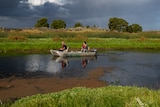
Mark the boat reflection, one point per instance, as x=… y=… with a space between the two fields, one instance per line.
x=65 y=60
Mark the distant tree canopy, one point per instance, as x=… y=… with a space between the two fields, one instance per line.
x=114 y=24
x=121 y=25
x=42 y=23
x=57 y=24
x=117 y=24
x=134 y=28
x=78 y=24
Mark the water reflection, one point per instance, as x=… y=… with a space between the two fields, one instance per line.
x=122 y=68
x=53 y=67
x=85 y=61
x=41 y=65
x=32 y=63
x=64 y=62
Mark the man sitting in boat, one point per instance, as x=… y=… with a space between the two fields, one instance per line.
x=84 y=47
x=64 y=46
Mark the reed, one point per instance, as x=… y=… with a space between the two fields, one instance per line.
x=65 y=33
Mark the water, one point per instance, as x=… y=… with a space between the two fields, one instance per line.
x=134 y=68
x=37 y=65
x=121 y=68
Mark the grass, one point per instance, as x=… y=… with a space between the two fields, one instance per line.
x=45 y=44
x=110 y=96
x=40 y=40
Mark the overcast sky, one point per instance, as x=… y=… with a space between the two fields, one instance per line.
x=25 y=13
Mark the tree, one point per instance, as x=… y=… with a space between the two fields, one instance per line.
x=42 y=23
x=78 y=24
x=117 y=24
x=58 y=24
x=134 y=28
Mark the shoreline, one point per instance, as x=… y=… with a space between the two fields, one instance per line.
x=13 y=88
x=23 y=52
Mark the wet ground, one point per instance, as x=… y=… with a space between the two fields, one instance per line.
x=13 y=88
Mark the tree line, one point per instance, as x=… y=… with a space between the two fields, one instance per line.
x=114 y=24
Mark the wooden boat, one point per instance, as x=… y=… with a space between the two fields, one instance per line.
x=67 y=53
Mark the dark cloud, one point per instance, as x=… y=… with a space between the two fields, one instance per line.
x=14 y=8
x=47 y=9
x=88 y=12
x=8 y=6
x=21 y=14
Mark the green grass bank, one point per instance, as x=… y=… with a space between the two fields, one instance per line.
x=110 y=96
x=45 y=44
x=41 y=40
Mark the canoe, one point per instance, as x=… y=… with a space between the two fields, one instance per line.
x=72 y=53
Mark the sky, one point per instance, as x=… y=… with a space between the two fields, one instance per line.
x=25 y=13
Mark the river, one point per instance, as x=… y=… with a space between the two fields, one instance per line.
x=121 y=67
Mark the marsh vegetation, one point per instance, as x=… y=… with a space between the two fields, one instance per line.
x=40 y=40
